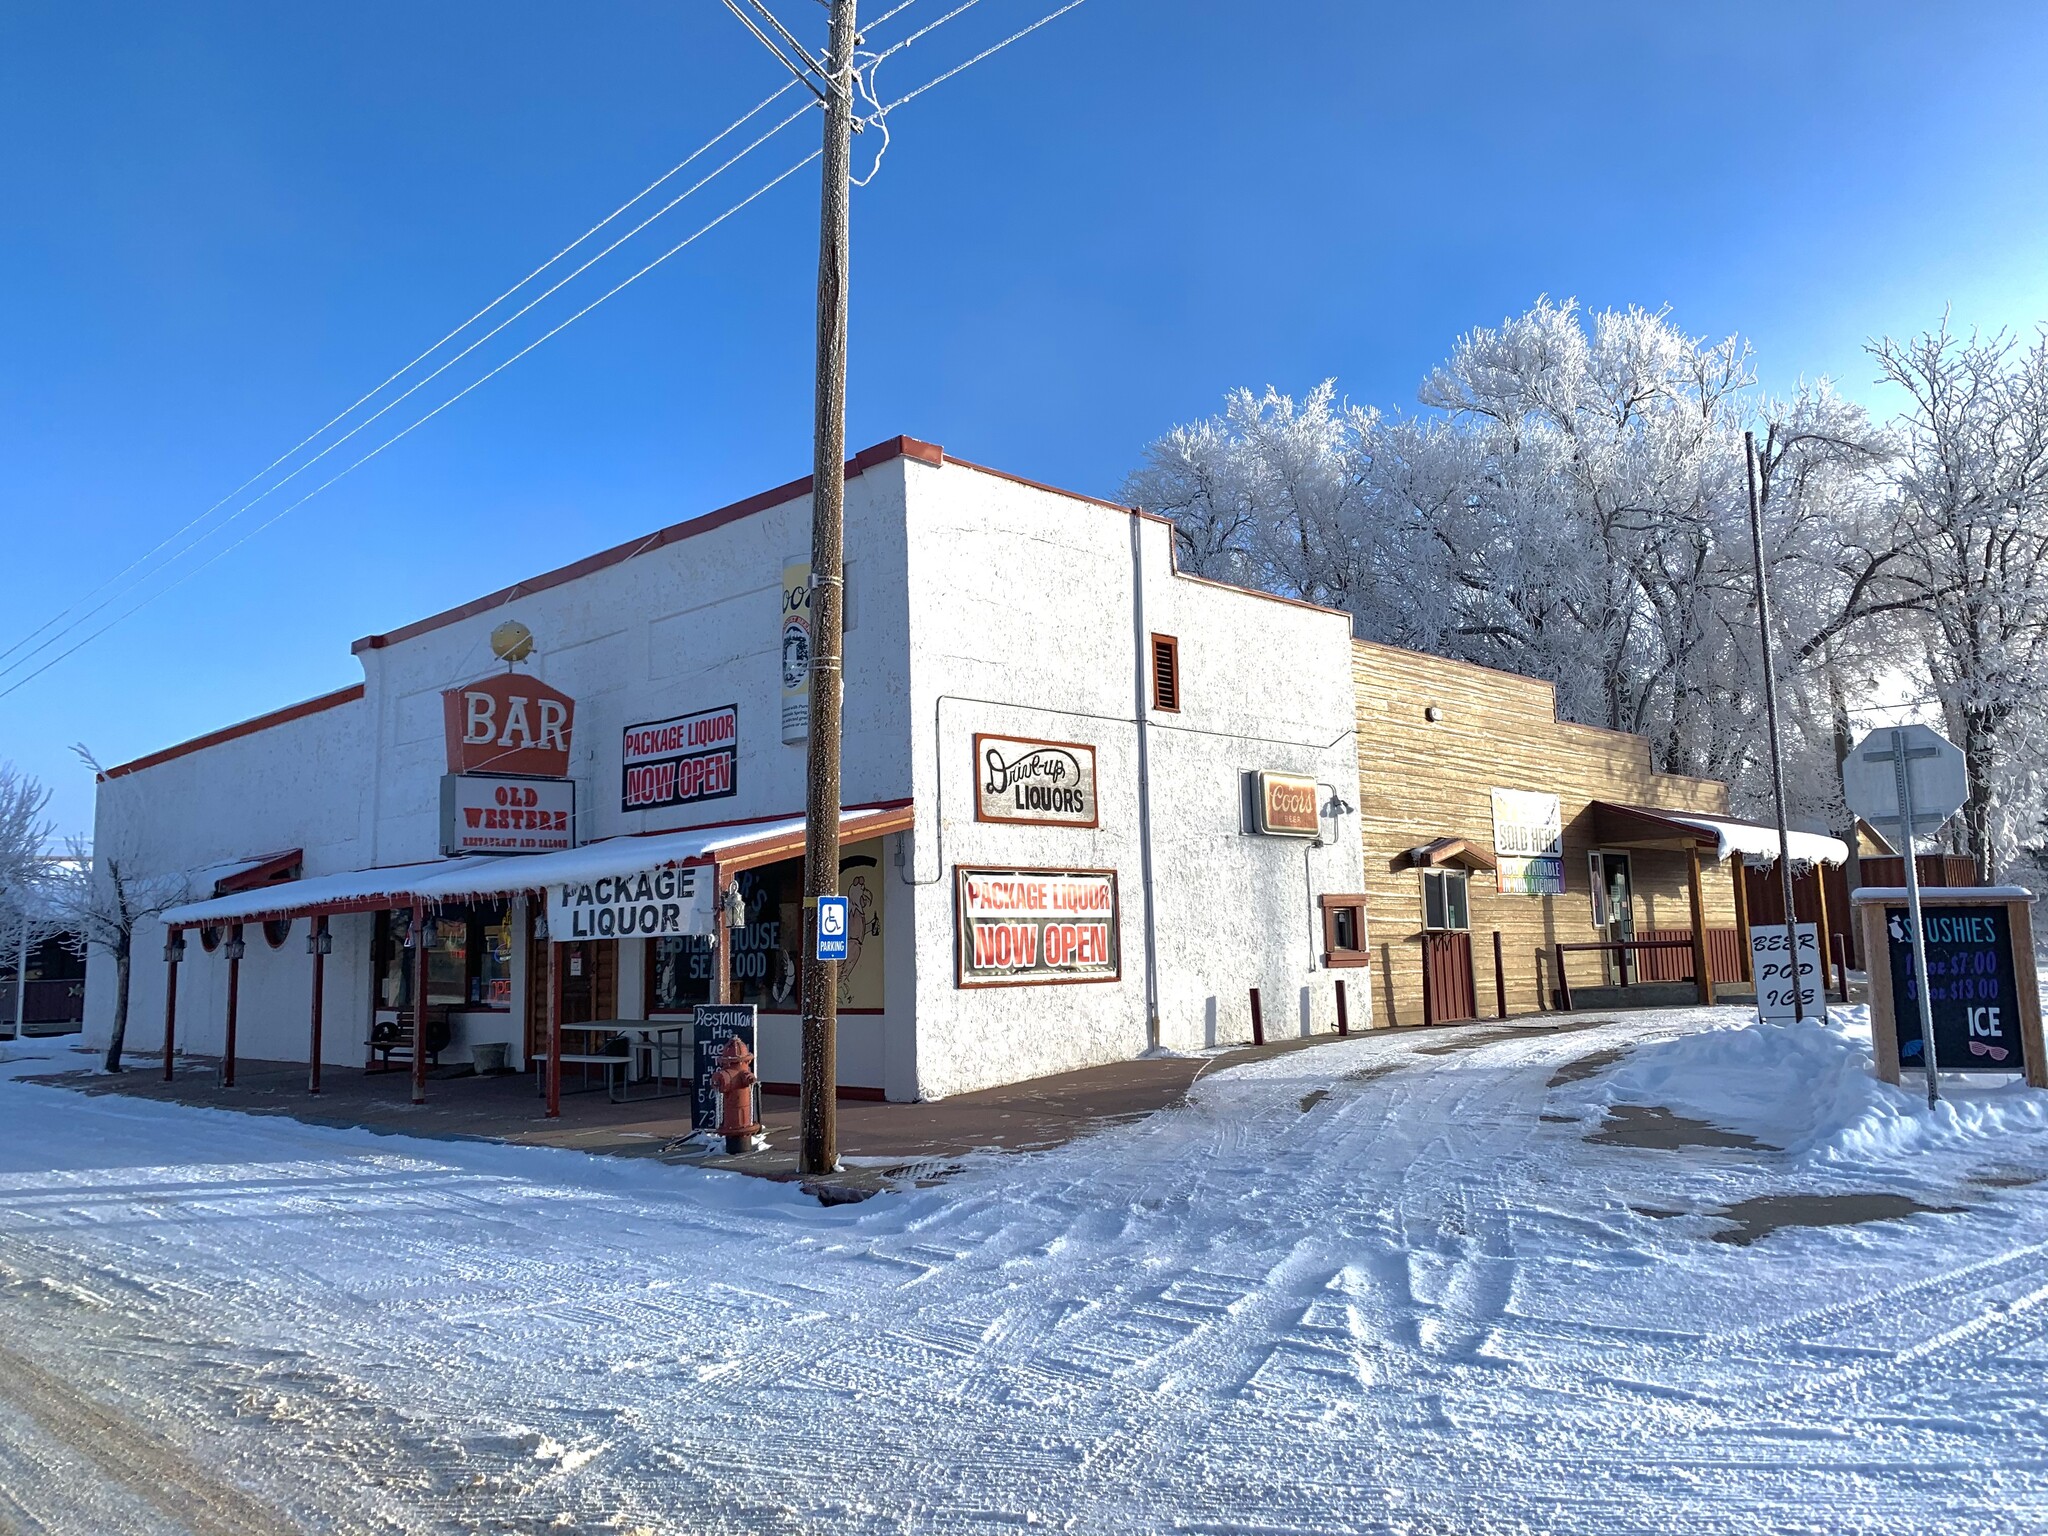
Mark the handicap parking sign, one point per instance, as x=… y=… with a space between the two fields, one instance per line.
x=831 y=928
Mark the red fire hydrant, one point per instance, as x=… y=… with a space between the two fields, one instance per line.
x=733 y=1082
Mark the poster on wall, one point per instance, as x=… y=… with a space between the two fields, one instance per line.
x=680 y=760
x=649 y=904
x=1528 y=843
x=1972 y=988
x=490 y=813
x=1037 y=783
x=795 y=640
x=1035 y=926
x=862 y=884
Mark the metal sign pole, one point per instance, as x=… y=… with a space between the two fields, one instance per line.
x=1926 y=1011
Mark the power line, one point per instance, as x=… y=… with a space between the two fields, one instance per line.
x=412 y=390
x=556 y=330
x=420 y=422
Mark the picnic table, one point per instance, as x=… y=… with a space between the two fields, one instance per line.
x=657 y=1052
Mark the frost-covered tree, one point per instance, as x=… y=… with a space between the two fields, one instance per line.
x=24 y=846
x=99 y=898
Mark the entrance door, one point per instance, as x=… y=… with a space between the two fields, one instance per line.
x=590 y=987
x=1447 y=972
x=1618 y=886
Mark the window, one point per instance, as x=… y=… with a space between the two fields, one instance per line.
x=764 y=961
x=1344 y=930
x=1166 y=674
x=276 y=930
x=209 y=937
x=469 y=957
x=1445 y=899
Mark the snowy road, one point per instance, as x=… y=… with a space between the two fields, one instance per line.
x=1383 y=1285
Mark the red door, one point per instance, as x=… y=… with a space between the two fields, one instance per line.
x=1448 y=993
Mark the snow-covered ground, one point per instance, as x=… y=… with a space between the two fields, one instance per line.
x=1382 y=1285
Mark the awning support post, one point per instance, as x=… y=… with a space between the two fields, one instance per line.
x=1702 y=969
x=419 y=1002
x=1741 y=874
x=227 y=1060
x=173 y=948
x=554 y=1028
x=317 y=941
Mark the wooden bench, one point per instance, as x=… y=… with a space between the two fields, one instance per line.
x=389 y=1040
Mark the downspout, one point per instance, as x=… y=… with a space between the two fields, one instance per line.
x=1140 y=651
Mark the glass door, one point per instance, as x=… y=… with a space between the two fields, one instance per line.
x=1618 y=886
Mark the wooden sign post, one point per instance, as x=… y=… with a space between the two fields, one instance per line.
x=1983 y=989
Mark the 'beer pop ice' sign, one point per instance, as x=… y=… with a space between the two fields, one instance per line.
x=1019 y=926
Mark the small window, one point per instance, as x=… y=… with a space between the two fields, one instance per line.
x=1166 y=674
x=276 y=930
x=1445 y=899
x=209 y=937
x=1344 y=930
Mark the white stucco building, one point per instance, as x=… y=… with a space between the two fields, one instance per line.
x=1003 y=637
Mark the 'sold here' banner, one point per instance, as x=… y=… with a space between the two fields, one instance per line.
x=652 y=904
x=1036 y=925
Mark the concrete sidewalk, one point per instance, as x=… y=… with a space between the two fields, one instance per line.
x=879 y=1144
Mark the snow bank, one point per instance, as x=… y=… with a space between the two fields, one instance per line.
x=1812 y=1089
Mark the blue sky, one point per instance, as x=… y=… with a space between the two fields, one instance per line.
x=228 y=220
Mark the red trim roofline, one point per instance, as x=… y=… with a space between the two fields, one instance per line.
x=250 y=727
x=618 y=554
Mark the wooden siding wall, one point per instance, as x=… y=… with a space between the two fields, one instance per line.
x=1420 y=780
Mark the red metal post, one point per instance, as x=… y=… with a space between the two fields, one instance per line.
x=1343 y=1012
x=1500 y=979
x=1428 y=986
x=176 y=939
x=419 y=1002
x=227 y=1064
x=1564 y=988
x=1258 y=1020
x=317 y=938
x=554 y=1028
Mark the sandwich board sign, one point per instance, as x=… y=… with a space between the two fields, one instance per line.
x=1780 y=975
x=716 y=1023
x=1972 y=987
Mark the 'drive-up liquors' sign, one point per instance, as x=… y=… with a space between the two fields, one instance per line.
x=1048 y=783
x=1528 y=843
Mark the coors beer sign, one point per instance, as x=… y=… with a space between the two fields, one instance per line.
x=509 y=723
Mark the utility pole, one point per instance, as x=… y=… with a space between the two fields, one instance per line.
x=819 y=1111
x=1763 y=624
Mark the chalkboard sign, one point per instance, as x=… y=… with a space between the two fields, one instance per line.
x=1970 y=985
x=716 y=1024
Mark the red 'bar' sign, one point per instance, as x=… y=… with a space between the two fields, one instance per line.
x=1036 y=925
x=509 y=723
x=682 y=759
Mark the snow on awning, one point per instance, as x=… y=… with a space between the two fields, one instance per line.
x=1642 y=825
x=439 y=881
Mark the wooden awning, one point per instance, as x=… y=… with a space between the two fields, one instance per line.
x=1451 y=853
x=1644 y=826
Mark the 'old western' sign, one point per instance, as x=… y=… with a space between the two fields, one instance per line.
x=1043 y=782
x=509 y=723
x=1284 y=805
x=682 y=759
x=649 y=904
x=1036 y=925
x=488 y=813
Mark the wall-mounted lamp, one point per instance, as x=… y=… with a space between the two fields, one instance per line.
x=235 y=948
x=735 y=907
x=174 y=947
x=320 y=942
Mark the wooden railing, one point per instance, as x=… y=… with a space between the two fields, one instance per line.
x=1621 y=949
